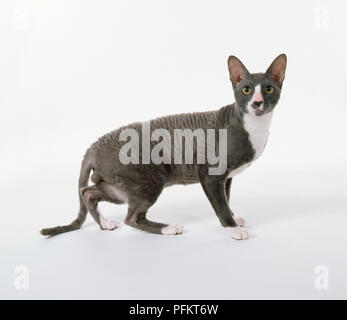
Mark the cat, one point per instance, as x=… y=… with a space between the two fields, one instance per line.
x=246 y=123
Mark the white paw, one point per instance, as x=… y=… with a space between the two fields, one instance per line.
x=237 y=233
x=172 y=229
x=109 y=224
x=240 y=221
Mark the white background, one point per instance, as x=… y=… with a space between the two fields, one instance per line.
x=71 y=71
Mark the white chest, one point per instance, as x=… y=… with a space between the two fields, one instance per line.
x=258 y=131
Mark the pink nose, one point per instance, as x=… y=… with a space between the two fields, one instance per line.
x=258 y=96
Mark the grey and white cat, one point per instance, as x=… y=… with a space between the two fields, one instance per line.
x=247 y=123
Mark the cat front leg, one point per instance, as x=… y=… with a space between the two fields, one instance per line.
x=214 y=188
x=240 y=221
x=136 y=218
x=227 y=188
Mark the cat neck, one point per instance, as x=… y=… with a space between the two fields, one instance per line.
x=257 y=123
x=257 y=128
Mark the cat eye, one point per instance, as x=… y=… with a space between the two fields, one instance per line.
x=269 y=89
x=246 y=90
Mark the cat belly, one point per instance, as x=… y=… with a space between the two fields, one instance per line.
x=115 y=192
x=182 y=180
x=185 y=174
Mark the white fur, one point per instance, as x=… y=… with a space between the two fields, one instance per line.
x=108 y=224
x=238 y=233
x=257 y=96
x=258 y=131
x=240 y=221
x=172 y=229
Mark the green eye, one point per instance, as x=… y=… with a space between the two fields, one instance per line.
x=269 y=89
x=246 y=90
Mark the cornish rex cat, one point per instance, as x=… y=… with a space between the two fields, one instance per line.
x=245 y=125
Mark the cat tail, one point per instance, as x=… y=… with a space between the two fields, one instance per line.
x=82 y=214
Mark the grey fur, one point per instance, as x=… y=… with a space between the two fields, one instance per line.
x=143 y=183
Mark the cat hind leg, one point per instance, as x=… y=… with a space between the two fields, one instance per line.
x=91 y=196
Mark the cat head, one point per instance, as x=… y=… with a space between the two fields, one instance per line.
x=257 y=93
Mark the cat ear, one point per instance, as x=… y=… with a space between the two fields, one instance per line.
x=237 y=70
x=278 y=68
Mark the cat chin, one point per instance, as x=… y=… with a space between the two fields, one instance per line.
x=257 y=113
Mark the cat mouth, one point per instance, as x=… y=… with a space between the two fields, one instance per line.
x=256 y=108
x=258 y=112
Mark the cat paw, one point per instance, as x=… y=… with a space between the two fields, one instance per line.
x=109 y=225
x=172 y=229
x=237 y=233
x=240 y=221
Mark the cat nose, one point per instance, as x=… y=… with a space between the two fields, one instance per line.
x=257 y=104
